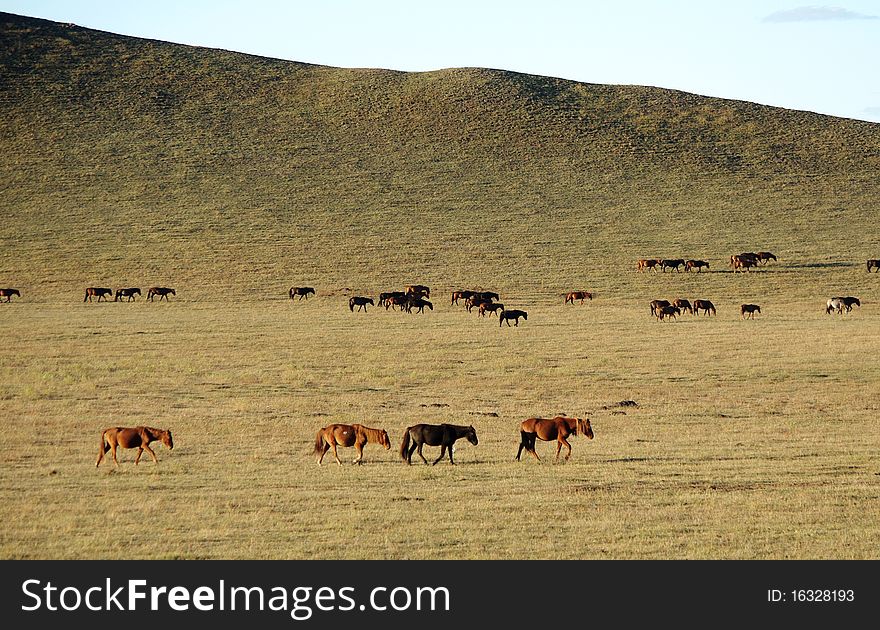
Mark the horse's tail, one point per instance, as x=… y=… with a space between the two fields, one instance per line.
x=319 y=442
x=86 y=298
x=103 y=448
x=351 y=305
x=404 y=445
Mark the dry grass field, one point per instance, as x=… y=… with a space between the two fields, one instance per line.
x=232 y=178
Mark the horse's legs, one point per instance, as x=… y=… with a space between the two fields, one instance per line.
x=147 y=448
x=323 y=452
x=558 y=448
x=451 y=449
x=113 y=451
x=335 y=454
x=419 y=449
x=442 y=453
x=139 y=453
x=564 y=441
x=359 y=447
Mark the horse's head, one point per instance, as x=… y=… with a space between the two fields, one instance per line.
x=471 y=435
x=585 y=428
x=383 y=439
x=167 y=439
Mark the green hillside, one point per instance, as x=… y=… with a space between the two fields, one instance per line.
x=129 y=161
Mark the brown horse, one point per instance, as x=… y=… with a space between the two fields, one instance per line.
x=360 y=302
x=873 y=264
x=647 y=263
x=98 y=292
x=442 y=435
x=461 y=295
x=506 y=315
x=766 y=257
x=745 y=261
x=749 y=309
x=385 y=298
x=129 y=293
x=396 y=300
x=549 y=429
x=578 y=295
x=695 y=264
x=490 y=307
x=704 y=305
x=302 y=292
x=419 y=303
x=137 y=437
x=475 y=301
x=668 y=311
x=656 y=305
x=8 y=293
x=356 y=435
x=162 y=292
x=418 y=290
x=684 y=305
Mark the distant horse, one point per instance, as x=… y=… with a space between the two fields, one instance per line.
x=475 y=301
x=360 y=302
x=506 y=316
x=873 y=264
x=849 y=302
x=162 y=292
x=461 y=295
x=490 y=307
x=549 y=429
x=668 y=311
x=704 y=305
x=571 y=296
x=834 y=304
x=487 y=296
x=684 y=305
x=138 y=437
x=98 y=292
x=418 y=303
x=418 y=290
x=302 y=292
x=742 y=261
x=8 y=293
x=695 y=264
x=656 y=305
x=672 y=263
x=384 y=298
x=749 y=309
x=442 y=435
x=765 y=257
x=396 y=300
x=647 y=263
x=356 y=435
x=127 y=293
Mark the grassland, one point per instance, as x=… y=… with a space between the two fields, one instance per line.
x=231 y=178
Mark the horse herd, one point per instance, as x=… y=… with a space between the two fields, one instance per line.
x=104 y=293
x=739 y=262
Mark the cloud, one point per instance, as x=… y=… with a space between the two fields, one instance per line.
x=817 y=14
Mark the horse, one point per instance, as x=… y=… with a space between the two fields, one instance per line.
x=461 y=295
x=137 y=437
x=302 y=292
x=360 y=302
x=475 y=301
x=695 y=264
x=418 y=290
x=704 y=305
x=491 y=307
x=162 y=292
x=765 y=257
x=487 y=296
x=129 y=293
x=356 y=435
x=684 y=305
x=834 y=304
x=8 y=293
x=668 y=311
x=656 y=305
x=571 y=296
x=672 y=263
x=507 y=315
x=549 y=429
x=849 y=302
x=743 y=261
x=647 y=263
x=98 y=292
x=442 y=435
x=384 y=298
x=418 y=303
x=396 y=300
x=751 y=309
x=873 y=264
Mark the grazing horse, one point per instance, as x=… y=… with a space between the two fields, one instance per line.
x=162 y=292
x=647 y=263
x=507 y=315
x=672 y=263
x=834 y=304
x=442 y=435
x=704 y=305
x=684 y=305
x=418 y=303
x=360 y=302
x=578 y=295
x=695 y=264
x=98 y=292
x=549 y=429
x=751 y=309
x=8 y=293
x=127 y=293
x=356 y=435
x=138 y=437
x=668 y=311
x=873 y=264
x=765 y=257
x=656 y=305
x=461 y=295
x=302 y=292
x=491 y=307
x=418 y=290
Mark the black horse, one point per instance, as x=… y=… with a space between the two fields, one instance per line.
x=442 y=435
x=507 y=315
x=127 y=293
x=302 y=292
x=8 y=293
x=360 y=302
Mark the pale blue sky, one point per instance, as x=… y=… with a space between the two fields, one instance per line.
x=817 y=57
